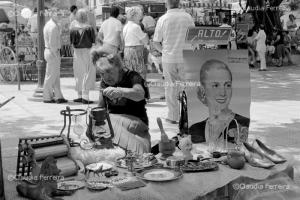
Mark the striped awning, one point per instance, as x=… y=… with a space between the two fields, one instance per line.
x=206 y=5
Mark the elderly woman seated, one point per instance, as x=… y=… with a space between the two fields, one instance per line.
x=122 y=92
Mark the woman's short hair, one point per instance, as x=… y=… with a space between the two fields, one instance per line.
x=102 y=52
x=134 y=12
x=82 y=15
x=212 y=64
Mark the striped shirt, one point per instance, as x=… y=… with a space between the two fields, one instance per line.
x=171 y=30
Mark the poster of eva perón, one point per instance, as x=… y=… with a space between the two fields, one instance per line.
x=218 y=91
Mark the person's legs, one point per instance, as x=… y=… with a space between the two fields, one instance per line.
x=78 y=73
x=49 y=76
x=287 y=52
x=280 y=51
x=89 y=73
x=262 y=57
x=251 y=56
x=171 y=74
x=57 y=90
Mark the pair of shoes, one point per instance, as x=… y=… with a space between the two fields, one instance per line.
x=79 y=100
x=255 y=158
x=262 y=70
x=162 y=98
x=269 y=153
x=171 y=121
x=61 y=101
x=49 y=101
x=84 y=101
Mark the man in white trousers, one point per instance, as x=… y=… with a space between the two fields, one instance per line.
x=261 y=47
x=169 y=38
x=52 y=57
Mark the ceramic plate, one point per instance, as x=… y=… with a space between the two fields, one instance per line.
x=160 y=174
x=70 y=185
x=97 y=166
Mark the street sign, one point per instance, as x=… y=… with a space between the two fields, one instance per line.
x=208 y=35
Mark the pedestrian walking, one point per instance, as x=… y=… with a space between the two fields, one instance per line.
x=169 y=38
x=261 y=47
x=110 y=32
x=82 y=38
x=52 y=57
x=134 y=41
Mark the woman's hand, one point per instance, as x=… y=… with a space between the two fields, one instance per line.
x=113 y=93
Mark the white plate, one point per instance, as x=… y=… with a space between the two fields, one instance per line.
x=96 y=166
x=70 y=185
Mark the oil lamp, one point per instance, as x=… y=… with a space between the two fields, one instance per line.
x=100 y=129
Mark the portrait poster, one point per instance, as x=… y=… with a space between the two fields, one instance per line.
x=240 y=98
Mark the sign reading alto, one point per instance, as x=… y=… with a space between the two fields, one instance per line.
x=208 y=35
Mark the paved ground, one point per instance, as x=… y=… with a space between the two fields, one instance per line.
x=275 y=116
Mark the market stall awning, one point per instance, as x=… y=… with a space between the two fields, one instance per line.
x=206 y=5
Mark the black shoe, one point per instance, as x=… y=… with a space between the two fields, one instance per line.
x=79 y=100
x=61 y=101
x=84 y=101
x=49 y=101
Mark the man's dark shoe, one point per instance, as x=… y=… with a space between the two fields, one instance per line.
x=61 y=101
x=79 y=100
x=84 y=101
x=49 y=101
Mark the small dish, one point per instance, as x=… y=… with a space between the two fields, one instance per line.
x=70 y=185
x=96 y=166
x=98 y=185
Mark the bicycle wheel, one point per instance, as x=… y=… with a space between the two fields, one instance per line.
x=8 y=64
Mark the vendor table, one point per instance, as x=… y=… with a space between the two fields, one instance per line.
x=190 y=186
